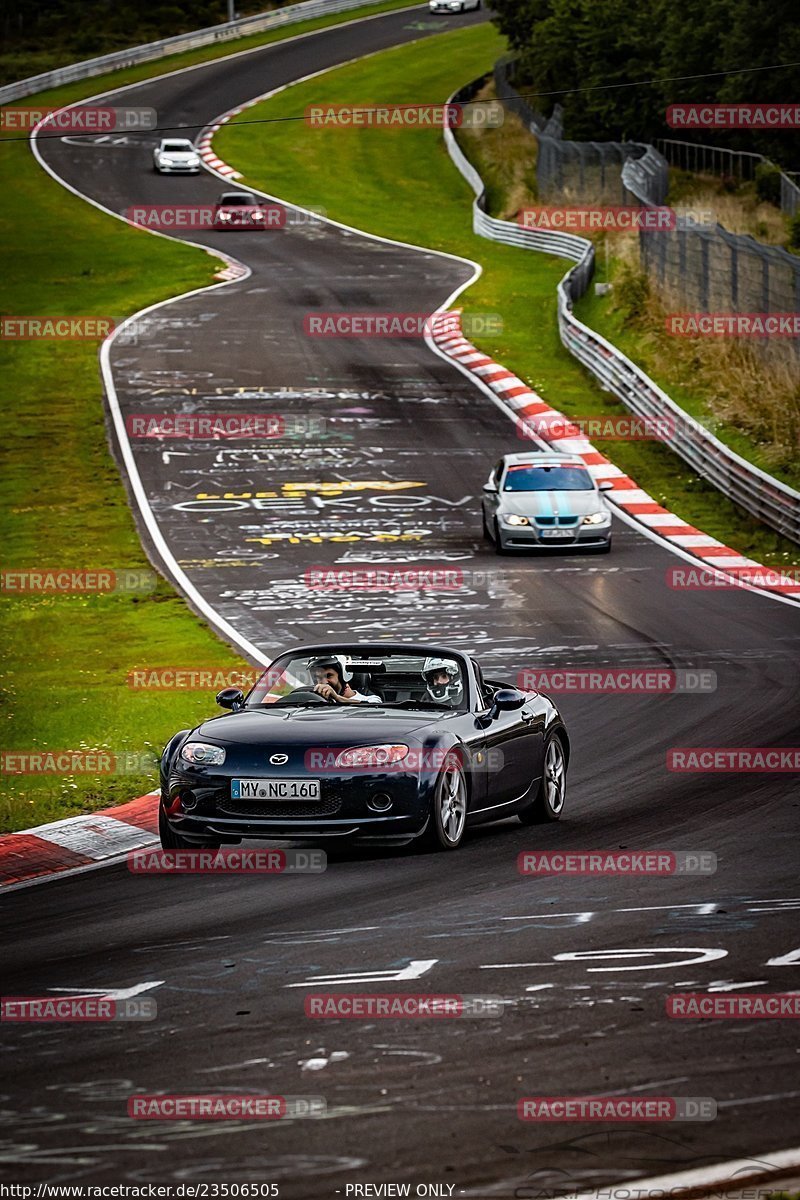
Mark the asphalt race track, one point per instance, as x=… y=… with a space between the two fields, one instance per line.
x=228 y=960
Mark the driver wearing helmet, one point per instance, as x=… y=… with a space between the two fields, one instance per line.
x=332 y=681
x=443 y=681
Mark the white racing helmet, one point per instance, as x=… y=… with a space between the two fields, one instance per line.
x=443 y=693
x=325 y=661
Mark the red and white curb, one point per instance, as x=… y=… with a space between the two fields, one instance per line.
x=77 y=843
x=205 y=149
x=523 y=404
x=208 y=156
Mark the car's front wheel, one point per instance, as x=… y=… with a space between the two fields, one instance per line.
x=548 y=803
x=170 y=840
x=448 y=816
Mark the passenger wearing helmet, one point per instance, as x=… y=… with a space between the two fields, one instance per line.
x=332 y=681
x=443 y=681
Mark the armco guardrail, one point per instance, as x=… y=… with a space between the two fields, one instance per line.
x=767 y=498
x=257 y=23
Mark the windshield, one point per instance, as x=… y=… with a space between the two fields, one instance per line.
x=178 y=147
x=238 y=200
x=530 y=478
x=397 y=680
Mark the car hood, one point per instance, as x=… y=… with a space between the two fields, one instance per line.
x=549 y=504
x=336 y=726
x=179 y=153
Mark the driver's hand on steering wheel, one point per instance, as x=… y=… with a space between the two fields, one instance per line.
x=325 y=690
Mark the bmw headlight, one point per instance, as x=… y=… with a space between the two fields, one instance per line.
x=201 y=754
x=224 y=216
x=193 y=160
x=514 y=519
x=598 y=518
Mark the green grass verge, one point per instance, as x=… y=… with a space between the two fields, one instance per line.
x=402 y=184
x=66 y=658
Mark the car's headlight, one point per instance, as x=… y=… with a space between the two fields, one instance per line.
x=203 y=754
x=223 y=216
x=371 y=756
x=598 y=518
x=257 y=215
x=193 y=160
x=513 y=519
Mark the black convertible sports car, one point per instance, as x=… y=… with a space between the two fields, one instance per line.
x=389 y=742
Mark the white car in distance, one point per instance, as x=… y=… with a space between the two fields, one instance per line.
x=176 y=156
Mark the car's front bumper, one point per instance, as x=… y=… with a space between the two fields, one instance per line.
x=530 y=537
x=201 y=806
x=178 y=170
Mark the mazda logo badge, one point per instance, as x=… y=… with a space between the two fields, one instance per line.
x=279 y=759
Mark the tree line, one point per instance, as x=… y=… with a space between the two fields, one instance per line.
x=592 y=56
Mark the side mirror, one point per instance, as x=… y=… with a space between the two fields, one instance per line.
x=506 y=700
x=230 y=698
x=605 y=486
x=490 y=489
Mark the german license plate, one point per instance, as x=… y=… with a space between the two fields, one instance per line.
x=558 y=533
x=275 y=789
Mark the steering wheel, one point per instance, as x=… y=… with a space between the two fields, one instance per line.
x=305 y=695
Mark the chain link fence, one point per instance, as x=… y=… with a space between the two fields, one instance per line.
x=696 y=267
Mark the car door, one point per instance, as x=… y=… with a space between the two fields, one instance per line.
x=514 y=744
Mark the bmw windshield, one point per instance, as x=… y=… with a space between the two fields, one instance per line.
x=530 y=478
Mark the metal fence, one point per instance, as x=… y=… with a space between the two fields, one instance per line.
x=733 y=164
x=257 y=23
x=704 y=268
x=767 y=498
x=582 y=172
x=697 y=267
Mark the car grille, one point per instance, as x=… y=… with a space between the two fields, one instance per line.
x=280 y=808
x=556 y=520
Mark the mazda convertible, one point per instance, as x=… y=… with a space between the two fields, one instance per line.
x=391 y=743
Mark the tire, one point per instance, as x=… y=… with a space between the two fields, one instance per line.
x=499 y=548
x=486 y=532
x=173 y=841
x=605 y=549
x=548 y=804
x=446 y=824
